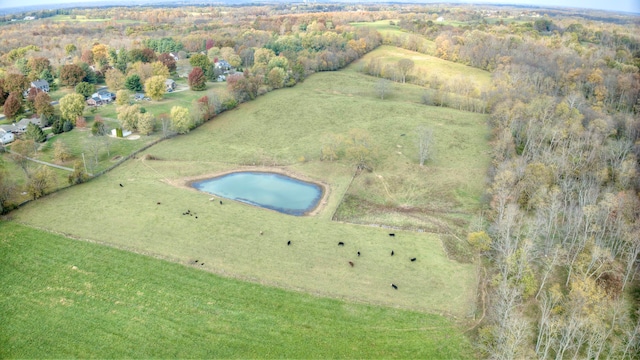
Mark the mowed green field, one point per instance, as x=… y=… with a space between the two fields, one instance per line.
x=63 y=298
x=426 y=66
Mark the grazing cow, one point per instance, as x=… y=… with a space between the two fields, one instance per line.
x=392 y=252
x=351 y=263
x=340 y=243
x=394 y=286
x=201 y=264
x=220 y=202
x=358 y=253
x=413 y=259
x=158 y=203
x=403 y=134
x=288 y=242
x=392 y=234
x=196 y=217
x=261 y=232
x=196 y=260
x=121 y=185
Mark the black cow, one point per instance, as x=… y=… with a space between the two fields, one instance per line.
x=358 y=253
x=340 y=243
x=413 y=259
x=121 y=185
x=392 y=234
x=288 y=242
x=392 y=252
x=158 y=203
x=351 y=263
x=220 y=202
x=394 y=286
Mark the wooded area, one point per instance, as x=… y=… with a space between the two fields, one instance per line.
x=560 y=236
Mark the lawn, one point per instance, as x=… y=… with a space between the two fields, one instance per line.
x=63 y=298
x=84 y=19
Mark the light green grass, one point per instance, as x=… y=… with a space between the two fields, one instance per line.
x=62 y=298
x=427 y=66
x=280 y=128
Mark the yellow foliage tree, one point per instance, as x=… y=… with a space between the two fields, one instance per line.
x=155 y=87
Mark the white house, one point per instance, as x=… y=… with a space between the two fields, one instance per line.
x=6 y=137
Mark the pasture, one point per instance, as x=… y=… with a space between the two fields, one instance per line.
x=427 y=66
x=63 y=298
x=281 y=130
x=394 y=35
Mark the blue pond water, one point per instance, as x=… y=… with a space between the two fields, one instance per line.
x=268 y=190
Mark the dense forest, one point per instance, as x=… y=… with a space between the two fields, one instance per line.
x=560 y=240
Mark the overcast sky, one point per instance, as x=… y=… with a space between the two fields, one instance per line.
x=612 y=5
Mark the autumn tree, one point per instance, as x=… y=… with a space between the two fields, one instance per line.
x=146 y=123
x=36 y=66
x=155 y=87
x=276 y=77
x=61 y=153
x=42 y=105
x=72 y=106
x=42 y=180
x=123 y=97
x=404 y=66
x=13 y=105
x=128 y=116
x=200 y=60
x=360 y=149
x=15 y=83
x=181 y=120
x=87 y=56
x=168 y=61
x=71 y=75
x=197 y=80
x=98 y=128
x=70 y=49
x=114 y=79
x=159 y=69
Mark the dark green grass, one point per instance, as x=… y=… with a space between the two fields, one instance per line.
x=64 y=298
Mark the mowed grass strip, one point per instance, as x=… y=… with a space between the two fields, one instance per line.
x=64 y=298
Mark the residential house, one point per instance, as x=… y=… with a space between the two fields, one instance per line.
x=223 y=65
x=6 y=137
x=105 y=96
x=174 y=56
x=22 y=124
x=41 y=85
x=94 y=101
x=9 y=128
x=170 y=84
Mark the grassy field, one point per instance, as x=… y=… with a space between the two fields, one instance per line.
x=63 y=298
x=393 y=34
x=427 y=66
x=227 y=236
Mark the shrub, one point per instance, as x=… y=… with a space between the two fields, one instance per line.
x=67 y=126
x=57 y=127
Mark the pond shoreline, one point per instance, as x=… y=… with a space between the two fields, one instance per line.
x=187 y=183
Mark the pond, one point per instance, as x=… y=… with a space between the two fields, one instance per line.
x=268 y=190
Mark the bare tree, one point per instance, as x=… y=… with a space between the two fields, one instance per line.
x=426 y=148
x=383 y=87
